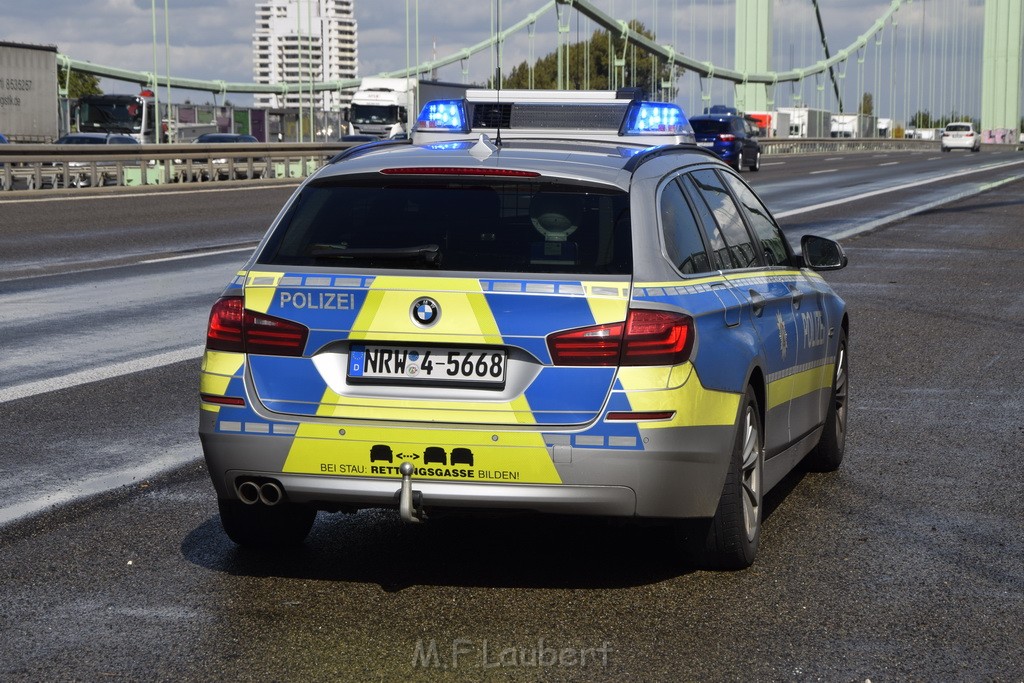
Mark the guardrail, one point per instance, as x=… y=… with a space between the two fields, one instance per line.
x=771 y=146
x=65 y=167
x=37 y=167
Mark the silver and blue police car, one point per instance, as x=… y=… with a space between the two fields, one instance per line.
x=548 y=302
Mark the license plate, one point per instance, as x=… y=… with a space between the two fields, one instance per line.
x=705 y=144
x=408 y=364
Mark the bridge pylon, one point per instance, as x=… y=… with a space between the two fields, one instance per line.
x=1001 y=70
x=753 y=51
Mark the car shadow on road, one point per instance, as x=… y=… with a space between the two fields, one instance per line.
x=374 y=546
x=480 y=550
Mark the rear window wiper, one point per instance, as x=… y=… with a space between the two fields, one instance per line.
x=429 y=253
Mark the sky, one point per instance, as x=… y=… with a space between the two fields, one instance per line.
x=211 y=39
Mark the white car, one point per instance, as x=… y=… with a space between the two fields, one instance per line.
x=961 y=136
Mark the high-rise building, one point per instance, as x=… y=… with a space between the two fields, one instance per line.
x=304 y=41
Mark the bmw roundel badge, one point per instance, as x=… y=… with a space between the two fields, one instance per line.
x=426 y=312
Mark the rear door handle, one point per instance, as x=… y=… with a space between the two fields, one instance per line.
x=757 y=303
x=798 y=296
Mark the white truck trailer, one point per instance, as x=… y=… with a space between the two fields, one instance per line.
x=385 y=106
x=28 y=93
x=807 y=123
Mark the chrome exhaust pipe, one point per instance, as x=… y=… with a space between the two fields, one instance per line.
x=271 y=493
x=248 y=492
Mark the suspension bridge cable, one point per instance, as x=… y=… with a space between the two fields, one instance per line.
x=828 y=55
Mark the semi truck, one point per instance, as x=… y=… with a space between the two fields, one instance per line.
x=805 y=122
x=854 y=126
x=384 y=106
x=28 y=93
x=135 y=115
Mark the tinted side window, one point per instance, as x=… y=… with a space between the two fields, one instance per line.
x=740 y=251
x=683 y=242
x=720 y=259
x=771 y=237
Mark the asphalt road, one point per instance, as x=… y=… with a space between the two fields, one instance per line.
x=903 y=565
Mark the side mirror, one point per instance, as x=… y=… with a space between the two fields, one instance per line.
x=821 y=253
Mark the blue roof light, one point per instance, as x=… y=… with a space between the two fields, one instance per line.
x=443 y=115
x=645 y=118
x=451 y=146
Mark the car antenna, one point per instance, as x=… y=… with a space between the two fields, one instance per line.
x=497 y=97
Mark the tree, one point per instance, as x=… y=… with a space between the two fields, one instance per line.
x=867 y=104
x=80 y=84
x=594 y=60
x=922 y=119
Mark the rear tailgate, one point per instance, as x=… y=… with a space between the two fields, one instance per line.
x=374 y=351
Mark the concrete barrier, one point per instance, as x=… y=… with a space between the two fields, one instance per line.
x=67 y=167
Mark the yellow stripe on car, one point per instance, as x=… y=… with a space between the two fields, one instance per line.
x=465 y=317
x=487 y=456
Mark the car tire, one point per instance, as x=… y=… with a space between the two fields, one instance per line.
x=945 y=149
x=756 y=166
x=731 y=538
x=976 y=149
x=828 y=454
x=262 y=526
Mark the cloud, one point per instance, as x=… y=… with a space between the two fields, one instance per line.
x=211 y=39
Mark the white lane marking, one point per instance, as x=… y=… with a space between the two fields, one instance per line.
x=835 y=159
x=905 y=186
x=75 y=379
x=124 y=477
x=100 y=483
x=827 y=170
x=136 y=195
x=773 y=163
x=889 y=163
x=199 y=254
x=867 y=227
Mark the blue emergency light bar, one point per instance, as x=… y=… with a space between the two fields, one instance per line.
x=645 y=118
x=443 y=116
x=543 y=113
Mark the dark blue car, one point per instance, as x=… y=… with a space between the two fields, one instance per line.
x=731 y=137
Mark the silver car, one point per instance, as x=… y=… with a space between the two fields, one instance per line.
x=546 y=302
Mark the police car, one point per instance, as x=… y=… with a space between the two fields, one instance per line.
x=548 y=302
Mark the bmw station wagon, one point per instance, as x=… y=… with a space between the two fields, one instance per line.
x=546 y=302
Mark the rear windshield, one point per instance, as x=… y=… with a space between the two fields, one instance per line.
x=958 y=127
x=471 y=225
x=712 y=127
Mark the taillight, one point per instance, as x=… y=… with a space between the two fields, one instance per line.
x=232 y=328
x=452 y=170
x=645 y=338
x=224 y=332
x=657 y=338
x=597 y=345
x=727 y=137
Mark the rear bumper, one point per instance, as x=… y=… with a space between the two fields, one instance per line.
x=961 y=143
x=680 y=473
x=327 y=491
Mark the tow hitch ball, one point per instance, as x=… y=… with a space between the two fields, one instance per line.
x=406 y=508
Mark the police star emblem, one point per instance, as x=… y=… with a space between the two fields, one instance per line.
x=783 y=337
